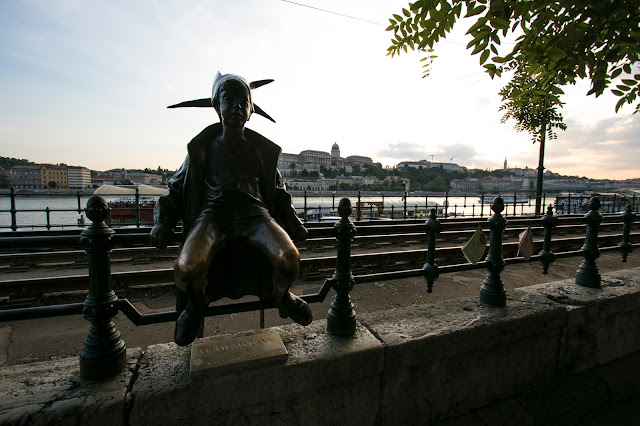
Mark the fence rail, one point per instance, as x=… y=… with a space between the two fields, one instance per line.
x=371 y=206
x=103 y=354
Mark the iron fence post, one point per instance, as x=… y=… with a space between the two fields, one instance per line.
x=305 y=206
x=341 y=318
x=492 y=292
x=12 y=197
x=587 y=274
x=137 y=208
x=48 y=213
x=430 y=268
x=404 y=209
x=549 y=221
x=79 y=202
x=358 y=208
x=481 y=204
x=625 y=246
x=446 y=204
x=104 y=352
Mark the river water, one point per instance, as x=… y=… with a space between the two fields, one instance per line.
x=63 y=210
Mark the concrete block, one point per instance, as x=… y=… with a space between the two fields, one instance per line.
x=505 y=412
x=52 y=392
x=569 y=401
x=457 y=355
x=326 y=379
x=622 y=376
x=602 y=324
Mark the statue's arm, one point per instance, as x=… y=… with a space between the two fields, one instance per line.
x=286 y=213
x=169 y=208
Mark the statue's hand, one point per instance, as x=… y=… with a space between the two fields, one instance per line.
x=299 y=234
x=160 y=235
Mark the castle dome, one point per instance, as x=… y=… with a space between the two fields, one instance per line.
x=335 y=146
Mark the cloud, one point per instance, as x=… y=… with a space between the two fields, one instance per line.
x=403 y=151
x=607 y=148
x=458 y=153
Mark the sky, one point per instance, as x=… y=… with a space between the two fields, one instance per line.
x=87 y=83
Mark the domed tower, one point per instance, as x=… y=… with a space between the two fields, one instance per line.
x=335 y=151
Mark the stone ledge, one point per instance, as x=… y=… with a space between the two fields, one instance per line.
x=575 y=399
x=326 y=378
x=419 y=364
x=52 y=392
x=458 y=355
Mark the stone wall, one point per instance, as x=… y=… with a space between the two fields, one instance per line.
x=417 y=364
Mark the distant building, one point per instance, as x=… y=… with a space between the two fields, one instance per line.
x=313 y=160
x=52 y=176
x=25 y=177
x=450 y=167
x=141 y=178
x=465 y=185
x=79 y=177
x=102 y=179
x=4 y=177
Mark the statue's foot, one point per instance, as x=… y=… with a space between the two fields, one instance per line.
x=189 y=322
x=295 y=308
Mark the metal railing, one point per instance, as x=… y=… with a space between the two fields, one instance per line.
x=103 y=353
x=376 y=206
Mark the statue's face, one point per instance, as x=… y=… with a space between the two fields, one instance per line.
x=235 y=107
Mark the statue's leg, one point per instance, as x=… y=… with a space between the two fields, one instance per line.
x=276 y=245
x=190 y=269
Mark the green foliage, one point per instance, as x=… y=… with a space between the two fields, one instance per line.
x=599 y=40
x=437 y=185
x=8 y=162
x=534 y=111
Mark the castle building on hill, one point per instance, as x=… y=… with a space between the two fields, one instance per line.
x=311 y=160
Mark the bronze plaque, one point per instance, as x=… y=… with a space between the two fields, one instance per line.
x=236 y=350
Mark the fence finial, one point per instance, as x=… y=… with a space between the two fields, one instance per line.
x=547 y=257
x=492 y=291
x=341 y=318
x=104 y=352
x=430 y=268
x=628 y=218
x=587 y=274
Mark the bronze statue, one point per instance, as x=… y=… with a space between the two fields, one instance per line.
x=229 y=193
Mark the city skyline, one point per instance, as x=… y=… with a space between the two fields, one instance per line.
x=95 y=94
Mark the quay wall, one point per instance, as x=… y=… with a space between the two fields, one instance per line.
x=421 y=364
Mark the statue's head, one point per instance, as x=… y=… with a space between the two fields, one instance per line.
x=221 y=81
x=231 y=98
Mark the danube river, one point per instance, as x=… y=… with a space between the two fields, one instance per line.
x=63 y=210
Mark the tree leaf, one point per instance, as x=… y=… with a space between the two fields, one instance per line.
x=617 y=92
x=475 y=11
x=555 y=54
x=484 y=56
x=629 y=82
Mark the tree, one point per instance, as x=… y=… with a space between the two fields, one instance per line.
x=557 y=41
x=52 y=184
x=538 y=117
x=292 y=166
x=437 y=185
